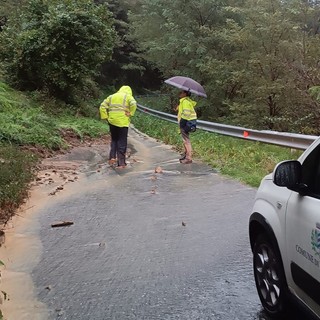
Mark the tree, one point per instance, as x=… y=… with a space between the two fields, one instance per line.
x=278 y=67
x=169 y=32
x=257 y=59
x=184 y=38
x=57 y=46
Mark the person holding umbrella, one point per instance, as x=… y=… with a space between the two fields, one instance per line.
x=187 y=118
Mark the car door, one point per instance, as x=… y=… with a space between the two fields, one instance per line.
x=303 y=235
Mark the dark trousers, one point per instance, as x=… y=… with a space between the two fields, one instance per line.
x=118 y=146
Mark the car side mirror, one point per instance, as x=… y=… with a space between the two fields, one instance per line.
x=288 y=174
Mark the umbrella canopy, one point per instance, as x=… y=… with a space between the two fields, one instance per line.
x=187 y=84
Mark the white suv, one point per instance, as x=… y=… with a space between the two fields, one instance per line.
x=284 y=230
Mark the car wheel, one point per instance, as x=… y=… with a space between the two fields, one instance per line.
x=269 y=277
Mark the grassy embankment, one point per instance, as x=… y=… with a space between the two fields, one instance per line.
x=30 y=130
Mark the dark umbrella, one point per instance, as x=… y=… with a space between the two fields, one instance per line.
x=187 y=84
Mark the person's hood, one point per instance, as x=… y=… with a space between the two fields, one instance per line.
x=126 y=89
x=193 y=103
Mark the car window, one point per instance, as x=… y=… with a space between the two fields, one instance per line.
x=311 y=173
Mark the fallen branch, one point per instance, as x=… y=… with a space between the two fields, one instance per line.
x=62 y=224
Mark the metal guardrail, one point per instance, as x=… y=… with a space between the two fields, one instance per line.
x=290 y=140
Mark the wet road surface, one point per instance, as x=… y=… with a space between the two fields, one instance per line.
x=171 y=244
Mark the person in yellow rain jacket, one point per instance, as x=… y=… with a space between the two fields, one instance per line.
x=187 y=119
x=117 y=109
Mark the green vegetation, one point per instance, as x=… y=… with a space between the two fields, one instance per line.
x=256 y=59
x=16 y=172
x=28 y=131
x=57 y=46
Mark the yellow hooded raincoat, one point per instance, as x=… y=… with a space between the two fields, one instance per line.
x=119 y=107
x=186 y=109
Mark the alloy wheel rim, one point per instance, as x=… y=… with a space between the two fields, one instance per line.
x=267 y=277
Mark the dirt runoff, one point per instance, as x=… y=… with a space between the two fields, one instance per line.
x=20 y=247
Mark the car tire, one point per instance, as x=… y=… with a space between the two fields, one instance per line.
x=269 y=277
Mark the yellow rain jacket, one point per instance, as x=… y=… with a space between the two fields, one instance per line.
x=119 y=107
x=186 y=109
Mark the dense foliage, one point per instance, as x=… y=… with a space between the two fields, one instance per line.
x=16 y=171
x=57 y=46
x=257 y=58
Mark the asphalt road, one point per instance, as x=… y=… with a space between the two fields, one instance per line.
x=157 y=240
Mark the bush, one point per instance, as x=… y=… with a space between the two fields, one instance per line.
x=57 y=46
x=16 y=172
